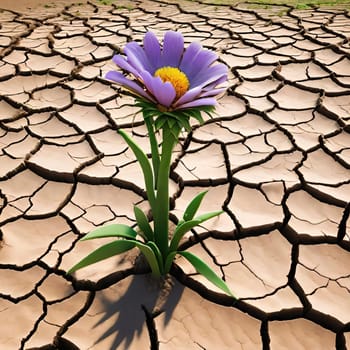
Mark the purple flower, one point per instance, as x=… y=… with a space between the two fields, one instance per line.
x=172 y=77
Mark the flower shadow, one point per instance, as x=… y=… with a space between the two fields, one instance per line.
x=125 y=318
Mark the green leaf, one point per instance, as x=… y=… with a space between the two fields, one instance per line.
x=161 y=212
x=169 y=260
x=185 y=123
x=159 y=123
x=150 y=256
x=171 y=122
x=195 y=114
x=158 y=255
x=143 y=223
x=154 y=148
x=193 y=206
x=112 y=230
x=106 y=251
x=180 y=118
x=186 y=226
x=145 y=166
x=202 y=268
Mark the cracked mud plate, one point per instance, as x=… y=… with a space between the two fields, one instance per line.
x=276 y=158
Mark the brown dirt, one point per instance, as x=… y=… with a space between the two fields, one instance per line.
x=25 y=5
x=276 y=159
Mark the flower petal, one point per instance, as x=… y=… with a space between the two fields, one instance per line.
x=212 y=89
x=164 y=93
x=213 y=92
x=189 y=55
x=152 y=50
x=209 y=75
x=173 y=48
x=121 y=62
x=136 y=56
x=201 y=62
x=207 y=101
x=221 y=80
x=188 y=96
x=129 y=84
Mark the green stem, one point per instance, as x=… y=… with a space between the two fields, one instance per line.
x=161 y=215
x=154 y=149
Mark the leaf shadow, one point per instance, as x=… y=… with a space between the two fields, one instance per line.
x=143 y=292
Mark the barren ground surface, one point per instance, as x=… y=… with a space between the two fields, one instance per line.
x=276 y=158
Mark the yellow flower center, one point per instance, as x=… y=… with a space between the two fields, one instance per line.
x=174 y=76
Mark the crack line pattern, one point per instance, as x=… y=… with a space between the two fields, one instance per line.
x=276 y=158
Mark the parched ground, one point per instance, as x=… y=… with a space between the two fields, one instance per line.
x=276 y=158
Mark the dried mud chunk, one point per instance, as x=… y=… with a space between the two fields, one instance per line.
x=241 y=155
x=248 y=125
x=229 y=106
x=327 y=56
x=283 y=299
x=258 y=273
x=333 y=300
x=58 y=312
x=339 y=106
x=61 y=162
x=13 y=188
x=307 y=134
x=284 y=117
x=217 y=132
x=19 y=84
x=328 y=260
x=309 y=279
x=16 y=328
x=44 y=334
x=257 y=89
x=118 y=201
x=107 y=324
x=311 y=217
x=8 y=112
x=38 y=63
x=335 y=194
x=9 y=165
x=98 y=173
x=279 y=168
x=315 y=169
x=51 y=128
x=22 y=148
x=325 y=84
x=20 y=283
x=85 y=118
x=26 y=241
x=341 y=67
x=6 y=69
x=273 y=191
x=292 y=98
x=256 y=72
x=252 y=209
x=197 y=323
x=78 y=47
x=300 y=335
x=224 y=252
x=90 y=92
x=50 y=198
x=55 y=97
x=340 y=146
x=15 y=57
x=197 y=165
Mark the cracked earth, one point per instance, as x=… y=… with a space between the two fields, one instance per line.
x=276 y=158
